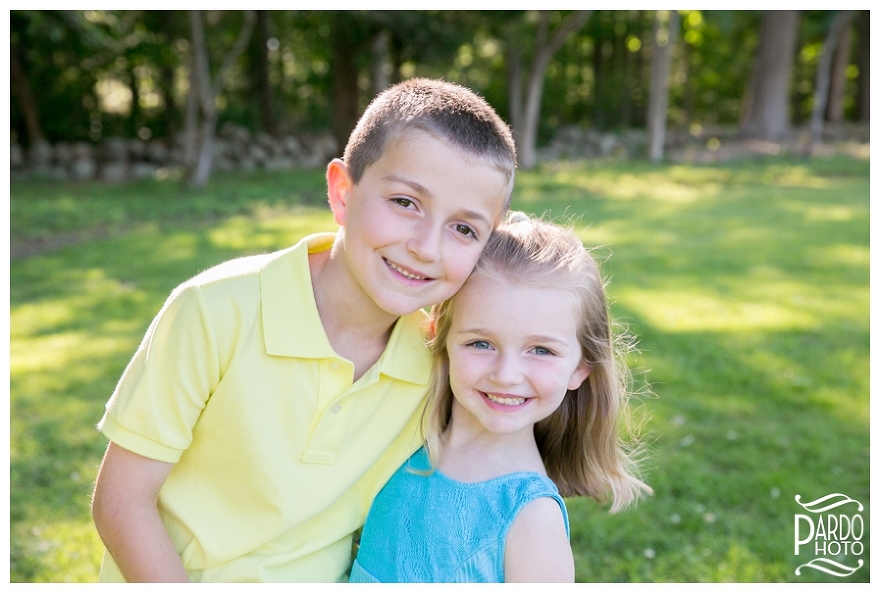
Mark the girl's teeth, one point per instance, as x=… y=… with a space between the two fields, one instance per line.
x=404 y=272
x=506 y=401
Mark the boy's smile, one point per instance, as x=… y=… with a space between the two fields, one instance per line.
x=413 y=227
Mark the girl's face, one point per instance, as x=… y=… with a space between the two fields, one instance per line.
x=513 y=353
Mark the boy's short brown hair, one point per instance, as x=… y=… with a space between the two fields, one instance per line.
x=443 y=109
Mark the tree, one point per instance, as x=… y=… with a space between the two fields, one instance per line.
x=380 y=66
x=525 y=101
x=766 y=102
x=863 y=62
x=260 y=73
x=21 y=87
x=666 y=24
x=840 y=23
x=839 y=64
x=344 y=71
x=203 y=96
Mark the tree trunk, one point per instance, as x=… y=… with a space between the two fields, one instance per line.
x=191 y=121
x=766 y=103
x=544 y=50
x=629 y=73
x=164 y=22
x=663 y=39
x=345 y=83
x=823 y=76
x=201 y=91
x=169 y=111
x=863 y=61
x=261 y=83
x=134 y=113
x=207 y=93
x=514 y=85
x=21 y=87
x=380 y=67
x=599 y=85
x=837 y=88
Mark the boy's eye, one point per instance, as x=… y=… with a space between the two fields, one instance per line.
x=540 y=350
x=465 y=230
x=405 y=202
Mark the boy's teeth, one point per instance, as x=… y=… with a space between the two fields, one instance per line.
x=404 y=272
x=506 y=401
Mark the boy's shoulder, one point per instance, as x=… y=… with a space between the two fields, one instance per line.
x=240 y=267
x=292 y=259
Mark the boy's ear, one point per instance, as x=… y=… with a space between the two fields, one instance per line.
x=338 y=189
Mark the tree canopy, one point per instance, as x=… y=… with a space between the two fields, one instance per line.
x=89 y=75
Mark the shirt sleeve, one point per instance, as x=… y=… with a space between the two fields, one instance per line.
x=168 y=382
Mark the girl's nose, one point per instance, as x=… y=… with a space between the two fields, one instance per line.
x=507 y=371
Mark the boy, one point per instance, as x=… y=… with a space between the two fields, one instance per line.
x=274 y=395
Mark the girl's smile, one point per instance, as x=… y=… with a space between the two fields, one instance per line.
x=505 y=401
x=513 y=354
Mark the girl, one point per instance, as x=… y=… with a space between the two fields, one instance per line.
x=523 y=410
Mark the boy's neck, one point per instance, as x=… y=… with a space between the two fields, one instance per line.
x=356 y=328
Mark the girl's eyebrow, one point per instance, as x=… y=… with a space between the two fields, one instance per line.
x=531 y=338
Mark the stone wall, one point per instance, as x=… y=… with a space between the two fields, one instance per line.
x=120 y=159
x=235 y=148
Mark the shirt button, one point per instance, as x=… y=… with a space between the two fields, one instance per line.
x=335 y=409
x=334 y=366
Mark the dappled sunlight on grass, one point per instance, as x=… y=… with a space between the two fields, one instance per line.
x=65 y=548
x=684 y=310
x=831 y=213
x=270 y=229
x=842 y=254
x=49 y=363
x=93 y=294
x=798 y=177
x=579 y=185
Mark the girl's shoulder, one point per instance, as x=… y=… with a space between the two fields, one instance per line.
x=537 y=547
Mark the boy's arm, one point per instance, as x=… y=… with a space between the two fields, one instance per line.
x=127 y=519
x=537 y=548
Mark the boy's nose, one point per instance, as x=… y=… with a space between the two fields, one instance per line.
x=425 y=243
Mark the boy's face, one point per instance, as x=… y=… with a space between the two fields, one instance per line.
x=415 y=224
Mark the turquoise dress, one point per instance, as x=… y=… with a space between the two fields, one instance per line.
x=432 y=529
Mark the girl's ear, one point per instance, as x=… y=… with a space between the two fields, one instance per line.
x=339 y=186
x=579 y=375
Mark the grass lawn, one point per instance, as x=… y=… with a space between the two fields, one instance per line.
x=747 y=285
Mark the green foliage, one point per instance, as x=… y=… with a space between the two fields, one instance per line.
x=599 y=78
x=748 y=286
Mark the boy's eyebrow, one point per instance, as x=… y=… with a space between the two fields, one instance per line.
x=421 y=189
x=418 y=187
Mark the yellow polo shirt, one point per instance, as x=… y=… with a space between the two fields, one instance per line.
x=277 y=454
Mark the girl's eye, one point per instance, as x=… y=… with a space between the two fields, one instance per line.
x=480 y=344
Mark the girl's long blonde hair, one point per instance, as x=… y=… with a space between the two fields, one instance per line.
x=580 y=443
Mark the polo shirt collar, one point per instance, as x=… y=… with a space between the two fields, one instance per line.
x=292 y=326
